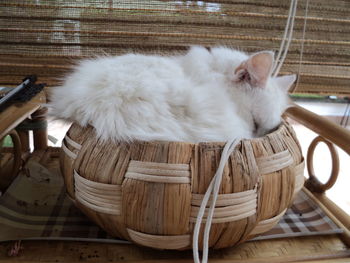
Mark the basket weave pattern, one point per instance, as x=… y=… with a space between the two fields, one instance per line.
x=150 y=192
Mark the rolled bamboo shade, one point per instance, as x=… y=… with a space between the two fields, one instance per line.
x=46 y=37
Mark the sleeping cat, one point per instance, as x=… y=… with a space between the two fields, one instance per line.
x=203 y=95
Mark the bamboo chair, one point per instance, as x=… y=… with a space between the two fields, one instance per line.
x=45 y=37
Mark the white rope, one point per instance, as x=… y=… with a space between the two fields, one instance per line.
x=284 y=35
x=302 y=44
x=214 y=186
x=289 y=40
x=289 y=28
x=213 y=189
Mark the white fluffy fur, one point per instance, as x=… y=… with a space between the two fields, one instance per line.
x=193 y=97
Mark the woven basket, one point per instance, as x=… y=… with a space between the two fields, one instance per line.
x=150 y=192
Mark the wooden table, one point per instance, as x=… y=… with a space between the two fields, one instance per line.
x=325 y=249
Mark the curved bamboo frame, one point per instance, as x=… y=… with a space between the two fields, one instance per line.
x=322 y=126
x=160 y=241
x=330 y=133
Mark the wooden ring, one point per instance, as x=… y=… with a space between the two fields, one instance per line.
x=17 y=153
x=313 y=184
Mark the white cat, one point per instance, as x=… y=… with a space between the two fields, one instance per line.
x=201 y=96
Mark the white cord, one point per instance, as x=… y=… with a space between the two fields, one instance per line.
x=214 y=186
x=302 y=44
x=289 y=28
x=213 y=189
x=289 y=39
x=284 y=35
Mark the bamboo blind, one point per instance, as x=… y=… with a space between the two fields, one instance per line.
x=45 y=37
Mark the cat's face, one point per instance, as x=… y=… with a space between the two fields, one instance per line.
x=269 y=103
x=268 y=96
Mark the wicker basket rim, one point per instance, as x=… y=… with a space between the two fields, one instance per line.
x=219 y=144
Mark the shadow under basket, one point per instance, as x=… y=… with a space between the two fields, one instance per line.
x=150 y=192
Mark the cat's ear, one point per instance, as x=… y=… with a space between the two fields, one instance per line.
x=285 y=82
x=256 y=69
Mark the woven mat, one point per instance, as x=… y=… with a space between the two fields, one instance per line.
x=36 y=207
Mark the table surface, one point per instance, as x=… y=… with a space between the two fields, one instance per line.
x=303 y=249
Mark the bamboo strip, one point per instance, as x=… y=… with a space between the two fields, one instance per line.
x=276 y=165
x=97 y=185
x=276 y=156
x=227 y=202
x=274 y=162
x=225 y=199
x=325 y=76
x=99 y=192
x=165 y=23
x=57 y=57
x=68 y=152
x=228 y=218
x=226 y=211
x=231 y=196
x=72 y=143
x=158 y=179
x=162 y=166
x=101 y=203
x=248 y=14
x=31 y=65
x=159 y=172
x=267 y=224
x=100 y=197
x=299 y=185
x=96 y=207
x=176 y=35
x=158 y=241
x=299 y=169
x=243 y=204
x=318 y=63
x=299 y=177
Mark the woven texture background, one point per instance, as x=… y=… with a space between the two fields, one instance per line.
x=45 y=37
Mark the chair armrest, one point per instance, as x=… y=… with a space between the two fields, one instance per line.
x=15 y=114
x=329 y=133
x=322 y=126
